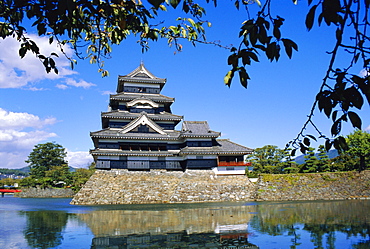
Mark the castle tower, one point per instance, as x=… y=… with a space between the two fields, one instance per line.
x=138 y=133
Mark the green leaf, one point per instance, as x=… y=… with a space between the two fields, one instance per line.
x=355 y=120
x=228 y=78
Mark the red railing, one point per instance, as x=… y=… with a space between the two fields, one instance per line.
x=10 y=190
x=234 y=164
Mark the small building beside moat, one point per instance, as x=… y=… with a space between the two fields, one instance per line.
x=138 y=133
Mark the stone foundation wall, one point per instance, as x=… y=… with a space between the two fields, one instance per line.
x=45 y=193
x=319 y=186
x=157 y=186
x=160 y=186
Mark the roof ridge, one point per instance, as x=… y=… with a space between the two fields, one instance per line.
x=227 y=139
x=143 y=118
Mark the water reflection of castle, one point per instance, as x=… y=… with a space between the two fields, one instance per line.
x=204 y=227
x=174 y=240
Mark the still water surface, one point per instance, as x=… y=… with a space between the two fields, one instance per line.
x=54 y=223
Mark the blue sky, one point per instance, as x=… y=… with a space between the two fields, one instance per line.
x=36 y=107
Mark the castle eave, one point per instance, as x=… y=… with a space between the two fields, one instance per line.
x=99 y=152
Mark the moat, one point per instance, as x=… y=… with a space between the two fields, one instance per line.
x=54 y=223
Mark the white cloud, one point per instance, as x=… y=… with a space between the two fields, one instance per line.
x=19 y=133
x=81 y=83
x=73 y=82
x=61 y=86
x=20 y=120
x=107 y=92
x=16 y=72
x=79 y=159
x=367 y=128
x=363 y=73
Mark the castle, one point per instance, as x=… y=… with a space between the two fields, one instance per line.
x=138 y=133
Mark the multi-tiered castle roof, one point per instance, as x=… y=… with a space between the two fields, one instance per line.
x=138 y=132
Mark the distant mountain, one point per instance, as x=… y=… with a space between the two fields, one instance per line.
x=71 y=169
x=17 y=172
x=331 y=154
x=27 y=169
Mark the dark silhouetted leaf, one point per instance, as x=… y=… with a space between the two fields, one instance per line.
x=340 y=144
x=276 y=32
x=355 y=120
x=310 y=17
x=22 y=52
x=156 y=3
x=312 y=137
x=334 y=115
x=185 y=7
x=303 y=148
x=336 y=127
x=233 y=60
x=328 y=144
x=244 y=77
x=246 y=60
x=237 y=4
x=292 y=153
x=306 y=141
x=174 y=3
x=352 y=97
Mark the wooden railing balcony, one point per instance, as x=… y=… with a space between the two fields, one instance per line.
x=234 y=164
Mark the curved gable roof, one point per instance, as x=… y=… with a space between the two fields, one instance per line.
x=140 y=75
x=142 y=120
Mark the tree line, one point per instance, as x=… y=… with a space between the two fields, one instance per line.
x=271 y=160
x=49 y=169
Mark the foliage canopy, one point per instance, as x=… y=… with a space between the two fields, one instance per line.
x=359 y=147
x=97 y=25
x=44 y=157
